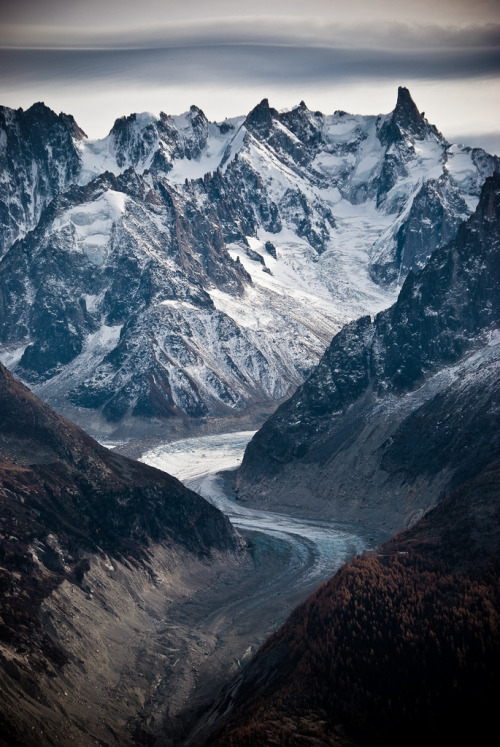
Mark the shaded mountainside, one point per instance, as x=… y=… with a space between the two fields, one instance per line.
x=400 y=409
x=181 y=269
x=98 y=495
x=69 y=507
x=401 y=646
x=39 y=158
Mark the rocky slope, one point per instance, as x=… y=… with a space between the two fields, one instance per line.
x=400 y=409
x=94 y=548
x=197 y=270
x=401 y=646
x=39 y=157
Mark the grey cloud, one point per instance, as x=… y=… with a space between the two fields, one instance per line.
x=117 y=12
x=264 y=30
x=242 y=64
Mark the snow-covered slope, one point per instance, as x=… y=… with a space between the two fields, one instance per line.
x=200 y=269
x=402 y=408
x=318 y=174
x=39 y=158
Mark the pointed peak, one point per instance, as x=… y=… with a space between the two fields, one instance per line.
x=405 y=120
x=39 y=113
x=122 y=123
x=262 y=110
x=196 y=116
x=139 y=120
x=261 y=118
x=38 y=107
x=404 y=97
x=196 y=111
x=406 y=110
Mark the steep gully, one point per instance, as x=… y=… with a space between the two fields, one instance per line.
x=229 y=620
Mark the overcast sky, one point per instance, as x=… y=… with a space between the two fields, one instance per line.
x=104 y=58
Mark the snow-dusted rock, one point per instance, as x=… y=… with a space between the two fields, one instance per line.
x=39 y=157
x=148 y=288
x=403 y=408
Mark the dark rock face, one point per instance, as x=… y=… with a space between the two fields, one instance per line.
x=136 y=141
x=48 y=277
x=261 y=118
x=271 y=249
x=305 y=125
x=316 y=229
x=93 y=489
x=39 y=158
x=433 y=219
x=63 y=497
x=378 y=373
x=68 y=509
x=400 y=646
x=405 y=120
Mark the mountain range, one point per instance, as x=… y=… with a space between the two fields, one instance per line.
x=182 y=274
x=181 y=271
x=402 y=408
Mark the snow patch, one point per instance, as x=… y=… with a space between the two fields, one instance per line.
x=176 y=304
x=92 y=224
x=10 y=356
x=494 y=337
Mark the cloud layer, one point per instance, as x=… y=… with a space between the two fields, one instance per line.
x=61 y=51
x=426 y=53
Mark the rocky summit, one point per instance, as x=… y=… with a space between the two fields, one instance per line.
x=180 y=269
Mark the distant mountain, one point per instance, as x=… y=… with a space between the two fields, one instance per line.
x=402 y=409
x=182 y=269
x=88 y=540
x=401 y=646
x=39 y=157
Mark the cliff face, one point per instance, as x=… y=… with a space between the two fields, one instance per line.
x=88 y=541
x=402 y=408
x=39 y=158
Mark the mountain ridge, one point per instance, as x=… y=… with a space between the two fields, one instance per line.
x=173 y=212
x=421 y=611
x=381 y=383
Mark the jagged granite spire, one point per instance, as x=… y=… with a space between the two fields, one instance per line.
x=261 y=118
x=405 y=120
x=406 y=113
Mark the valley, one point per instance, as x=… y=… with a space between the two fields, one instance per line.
x=288 y=558
x=333 y=281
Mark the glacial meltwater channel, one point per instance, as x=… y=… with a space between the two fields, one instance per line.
x=317 y=547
